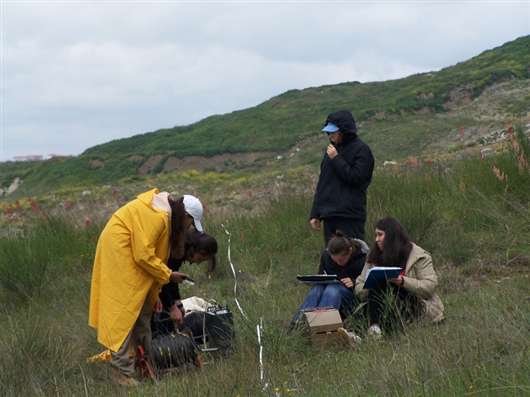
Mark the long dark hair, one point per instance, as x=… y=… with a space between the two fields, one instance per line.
x=396 y=247
x=176 y=236
x=200 y=242
x=340 y=243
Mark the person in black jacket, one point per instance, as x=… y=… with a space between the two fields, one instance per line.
x=345 y=173
x=198 y=247
x=344 y=257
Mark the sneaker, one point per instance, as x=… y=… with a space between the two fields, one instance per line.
x=375 y=331
x=122 y=379
x=348 y=337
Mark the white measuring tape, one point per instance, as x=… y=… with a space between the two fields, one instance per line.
x=259 y=330
x=234 y=273
x=259 y=327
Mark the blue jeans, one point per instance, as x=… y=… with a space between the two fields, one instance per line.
x=333 y=295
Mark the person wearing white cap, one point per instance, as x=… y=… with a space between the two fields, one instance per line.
x=193 y=208
x=130 y=267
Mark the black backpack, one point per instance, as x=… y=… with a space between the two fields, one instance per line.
x=174 y=350
x=212 y=330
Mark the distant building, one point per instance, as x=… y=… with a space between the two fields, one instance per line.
x=58 y=156
x=31 y=157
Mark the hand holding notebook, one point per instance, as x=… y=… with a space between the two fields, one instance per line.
x=377 y=275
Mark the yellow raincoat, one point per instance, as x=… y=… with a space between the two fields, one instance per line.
x=129 y=267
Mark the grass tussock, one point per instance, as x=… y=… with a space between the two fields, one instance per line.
x=475 y=224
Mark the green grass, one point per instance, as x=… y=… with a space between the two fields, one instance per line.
x=476 y=227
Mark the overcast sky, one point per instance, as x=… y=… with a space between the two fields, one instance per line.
x=78 y=73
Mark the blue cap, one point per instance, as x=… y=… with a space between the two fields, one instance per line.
x=330 y=128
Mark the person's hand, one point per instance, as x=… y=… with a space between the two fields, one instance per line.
x=331 y=151
x=176 y=314
x=315 y=223
x=398 y=281
x=177 y=277
x=348 y=283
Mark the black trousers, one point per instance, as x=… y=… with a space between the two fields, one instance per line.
x=391 y=307
x=351 y=227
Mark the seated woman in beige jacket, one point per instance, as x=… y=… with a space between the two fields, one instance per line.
x=408 y=296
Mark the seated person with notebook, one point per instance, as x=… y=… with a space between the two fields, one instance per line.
x=344 y=258
x=405 y=295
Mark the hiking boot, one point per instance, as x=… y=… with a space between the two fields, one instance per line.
x=375 y=331
x=122 y=379
x=348 y=337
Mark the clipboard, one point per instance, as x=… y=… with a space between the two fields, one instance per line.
x=318 y=278
x=377 y=275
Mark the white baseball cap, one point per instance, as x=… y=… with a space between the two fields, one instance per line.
x=193 y=207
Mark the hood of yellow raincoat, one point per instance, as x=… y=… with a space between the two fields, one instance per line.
x=130 y=266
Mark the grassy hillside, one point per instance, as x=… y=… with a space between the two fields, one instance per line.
x=412 y=112
x=474 y=222
x=279 y=122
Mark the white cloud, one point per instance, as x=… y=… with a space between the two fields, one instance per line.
x=81 y=73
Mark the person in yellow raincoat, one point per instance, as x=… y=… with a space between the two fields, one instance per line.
x=130 y=267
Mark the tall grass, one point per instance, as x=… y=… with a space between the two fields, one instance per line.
x=45 y=249
x=476 y=226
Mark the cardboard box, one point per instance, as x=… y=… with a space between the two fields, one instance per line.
x=323 y=325
x=326 y=340
x=323 y=320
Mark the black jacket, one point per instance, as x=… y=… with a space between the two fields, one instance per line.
x=343 y=181
x=170 y=292
x=352 y=269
